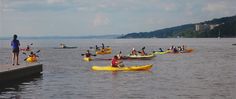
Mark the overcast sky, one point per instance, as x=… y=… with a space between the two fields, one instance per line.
x=102 y=17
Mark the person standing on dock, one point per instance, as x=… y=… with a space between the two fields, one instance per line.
x=15 y=50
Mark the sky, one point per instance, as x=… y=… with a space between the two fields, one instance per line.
x=104 y=17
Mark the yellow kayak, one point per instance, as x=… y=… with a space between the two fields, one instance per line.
x=161 y=53
x=126 y=68
x=31 y=59
x=149 y=56
x=88 y=59
x=105 y=51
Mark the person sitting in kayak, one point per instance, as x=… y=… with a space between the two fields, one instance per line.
x=115 y=62
x=160 y=50
x=97 y=48
x=31 y=58
x=27 y=48
x=183 y=48
x=175 y=50
x=143 y=52
x=180 y=49
x=103 y=48
x=88 y=54
x=119 y=56
x=62 y=45
x=32 y=54
x=133 y=52
x=172 y=47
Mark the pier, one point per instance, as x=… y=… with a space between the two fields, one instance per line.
x=9 y=73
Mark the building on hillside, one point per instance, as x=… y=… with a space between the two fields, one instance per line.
x=212 y=26
x=205 y=27
x=201 y=27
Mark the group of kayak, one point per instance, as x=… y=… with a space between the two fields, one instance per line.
x=117 y=63
x=32 y=56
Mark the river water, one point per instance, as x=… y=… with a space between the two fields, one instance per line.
x=209 y=72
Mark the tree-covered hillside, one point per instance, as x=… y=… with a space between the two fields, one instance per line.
x=226 y=27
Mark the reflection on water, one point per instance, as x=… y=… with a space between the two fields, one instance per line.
x=207 y=73
x=12 y=88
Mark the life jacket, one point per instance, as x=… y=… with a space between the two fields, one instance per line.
x=134 y=52
x=114 y=62
x=87 y=55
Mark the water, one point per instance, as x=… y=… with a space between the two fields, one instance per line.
x=207 y=73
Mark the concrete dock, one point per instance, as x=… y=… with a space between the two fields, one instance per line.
x=10 y=73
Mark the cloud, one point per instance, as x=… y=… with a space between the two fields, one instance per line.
x=100 y=20
x=215 y=6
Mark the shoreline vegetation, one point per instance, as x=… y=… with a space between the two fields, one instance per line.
x=217 y=28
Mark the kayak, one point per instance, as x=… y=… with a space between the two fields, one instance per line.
x=25 y=49
x=65 y=47
x=149 y=56
x=126 y=68
x=87 y=59
x=105 y=51
x=161 y=53
x=31 y=59
x=189 y=50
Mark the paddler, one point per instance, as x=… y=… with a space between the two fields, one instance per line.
x=96 y=48
x=32 y=54
x=143 y=52
x=119 y=56
x=133 y=52
x=62 y=45
x=160 y=50
x=27 y=48
x=115 y=62
x=88 y=54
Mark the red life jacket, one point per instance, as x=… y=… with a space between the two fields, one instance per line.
x=87 y=55
x=114 y=62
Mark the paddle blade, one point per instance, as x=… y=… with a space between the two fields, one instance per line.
x=25 y=59
x=143 y=48
x=38 y=51
x=24 y=53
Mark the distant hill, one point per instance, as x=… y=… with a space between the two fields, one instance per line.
x=223 y=27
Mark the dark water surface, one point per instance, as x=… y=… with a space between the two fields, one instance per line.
x=207 y=73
